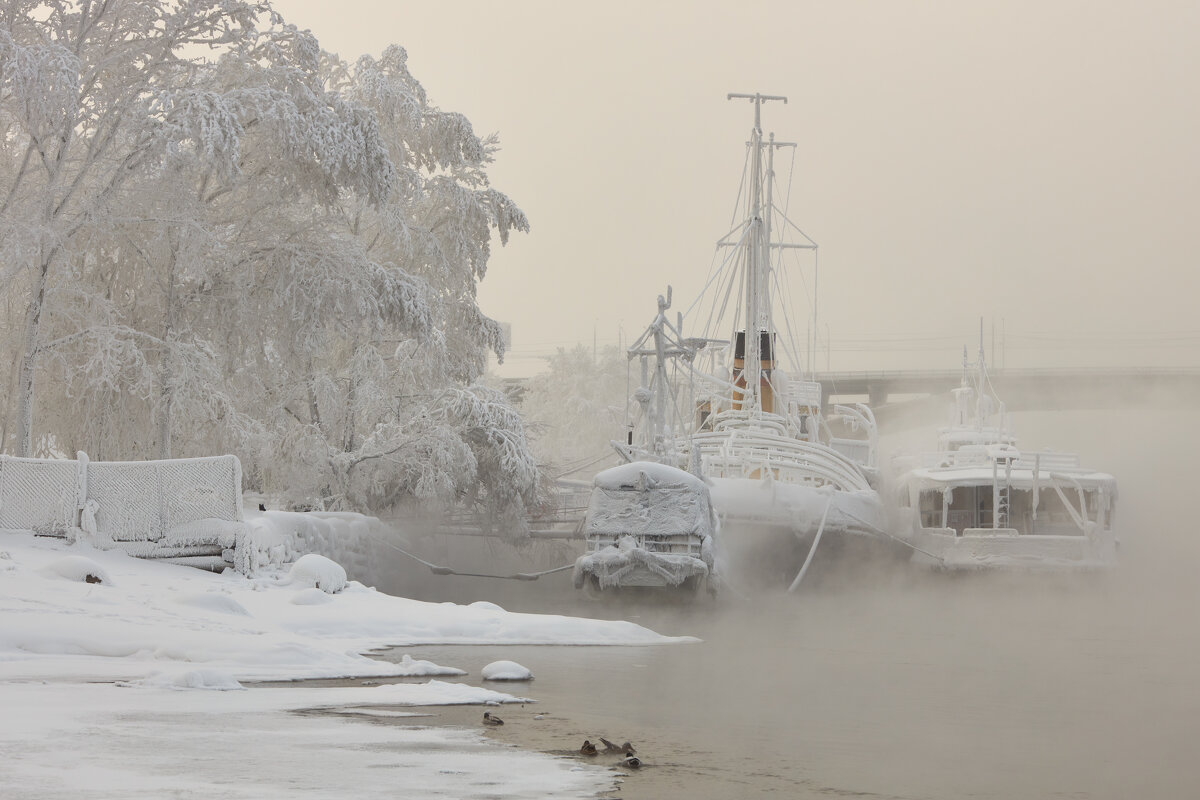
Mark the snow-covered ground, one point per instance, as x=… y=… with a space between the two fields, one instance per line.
x=132 y=686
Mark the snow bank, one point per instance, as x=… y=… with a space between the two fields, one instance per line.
x=77 y=568
x=152 y=617
x=355 y=541
x=191 y=679
x=505 y=671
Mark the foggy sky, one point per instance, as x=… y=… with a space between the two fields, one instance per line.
x=1031 y=163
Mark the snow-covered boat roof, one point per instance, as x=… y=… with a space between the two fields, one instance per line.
x=983 y=475
x=648 y=474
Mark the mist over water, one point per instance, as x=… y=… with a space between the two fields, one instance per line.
x=882 y=679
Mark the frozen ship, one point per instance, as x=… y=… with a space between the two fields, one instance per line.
x=729 y=403
x=978 y=501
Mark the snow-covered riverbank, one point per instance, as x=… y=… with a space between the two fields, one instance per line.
x=100 y=682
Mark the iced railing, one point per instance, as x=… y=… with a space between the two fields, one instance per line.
x=977 y=458
x=38 y=494
x=805 y=393
x=183 y=507
x=747 y=454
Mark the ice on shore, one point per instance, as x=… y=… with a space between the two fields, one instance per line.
x=179 y=645
x=414 y=667
x=505 y=671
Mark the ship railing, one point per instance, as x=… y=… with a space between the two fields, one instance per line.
x=1048 y=460
x=788 y=460
x=974 y=458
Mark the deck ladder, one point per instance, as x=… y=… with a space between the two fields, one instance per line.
x=1001 y=494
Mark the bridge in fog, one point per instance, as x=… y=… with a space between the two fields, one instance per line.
x=1020 y=389
x=894 y=393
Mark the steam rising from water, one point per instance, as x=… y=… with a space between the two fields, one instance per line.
x=883 y=678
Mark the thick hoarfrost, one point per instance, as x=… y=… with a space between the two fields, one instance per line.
x=237 y=242
x=799 y=507
x=648 y=499
x=613 y=565
x=648 y=522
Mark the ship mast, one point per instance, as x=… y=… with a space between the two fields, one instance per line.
x=758 y=304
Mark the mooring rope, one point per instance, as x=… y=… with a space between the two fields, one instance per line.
x=440 y=570
x=872 y=529
x=812 y=550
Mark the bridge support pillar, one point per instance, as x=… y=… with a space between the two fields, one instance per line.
x=877 y=395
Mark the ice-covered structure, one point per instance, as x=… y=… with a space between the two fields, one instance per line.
x=648 y=525
x=188 y=510
x=730 y=402
x=978 y=501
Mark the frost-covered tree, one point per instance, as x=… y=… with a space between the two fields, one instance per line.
x=576 y=407
x=86 y=106
x=219 y=237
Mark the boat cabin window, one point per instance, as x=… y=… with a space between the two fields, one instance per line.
x=1051 y=511
x=970 y=507
x=931 y=508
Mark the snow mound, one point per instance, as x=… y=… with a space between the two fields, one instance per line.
x=415 y=668
x=505 y=671
x=213 y=601
x=77 y=568
x=484 y=604
x=319 y=571
x=311 y=597
x=211 y=679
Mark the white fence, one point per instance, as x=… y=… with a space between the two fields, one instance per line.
x=173 y=508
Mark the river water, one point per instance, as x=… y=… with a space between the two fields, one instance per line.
x=939 y=687
x=886 y=680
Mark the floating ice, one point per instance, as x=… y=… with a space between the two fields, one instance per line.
x=505 y=671
x=484 y=604
x=212 y=679
x=411 y=668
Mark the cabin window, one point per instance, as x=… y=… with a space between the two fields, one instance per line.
x=1052 y=512
x=970 y=507
x=931 y=508
x=1020 y=510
